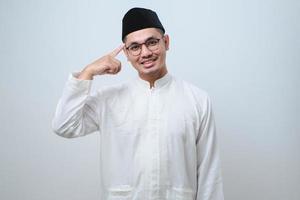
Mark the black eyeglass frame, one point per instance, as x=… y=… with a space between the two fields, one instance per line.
x=141 y=44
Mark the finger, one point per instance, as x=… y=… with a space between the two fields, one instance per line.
x=115 y=61
x=113 y=69
x=115 y=52
x=119 y=68
x=103 y=71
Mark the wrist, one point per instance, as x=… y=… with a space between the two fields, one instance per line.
x=85 y=74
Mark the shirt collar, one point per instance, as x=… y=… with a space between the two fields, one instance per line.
x=157 y=84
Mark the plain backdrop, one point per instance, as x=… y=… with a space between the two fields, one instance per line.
x=245 y=54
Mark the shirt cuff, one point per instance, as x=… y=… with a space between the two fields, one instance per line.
x=79 y=84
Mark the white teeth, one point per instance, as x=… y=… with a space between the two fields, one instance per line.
x=148 y=61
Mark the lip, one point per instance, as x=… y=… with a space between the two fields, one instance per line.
x=148 y=63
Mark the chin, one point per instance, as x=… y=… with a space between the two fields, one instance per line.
x=149 y=70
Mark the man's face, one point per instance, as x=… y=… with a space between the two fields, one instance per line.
x=148 y=62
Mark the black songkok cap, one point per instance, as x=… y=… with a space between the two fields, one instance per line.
x=139 y=18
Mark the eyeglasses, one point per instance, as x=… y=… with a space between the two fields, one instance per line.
x=135 y=49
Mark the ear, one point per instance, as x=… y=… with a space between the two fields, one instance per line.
x=167 y=41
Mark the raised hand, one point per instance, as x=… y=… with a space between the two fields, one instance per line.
x=107 y=64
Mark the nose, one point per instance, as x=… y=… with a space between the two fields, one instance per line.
x=145 y=52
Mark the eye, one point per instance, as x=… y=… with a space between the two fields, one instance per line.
x=152 y=42
x=134 y=47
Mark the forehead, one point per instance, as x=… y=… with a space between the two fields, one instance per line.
x=142 y=35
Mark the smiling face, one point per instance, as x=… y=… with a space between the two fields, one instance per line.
x=150 y=64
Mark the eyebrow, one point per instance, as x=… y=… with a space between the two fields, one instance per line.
x=151 y=37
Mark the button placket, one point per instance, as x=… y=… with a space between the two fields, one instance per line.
x=154 y=136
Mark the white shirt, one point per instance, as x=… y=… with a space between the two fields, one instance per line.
x=156 y=144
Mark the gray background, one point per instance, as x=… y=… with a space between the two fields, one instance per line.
x=245 y=54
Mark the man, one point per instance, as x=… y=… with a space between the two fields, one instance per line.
x=157 y=132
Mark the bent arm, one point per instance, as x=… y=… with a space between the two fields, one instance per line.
x=76 y=113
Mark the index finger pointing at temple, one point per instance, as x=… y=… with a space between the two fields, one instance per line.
x=115 y=52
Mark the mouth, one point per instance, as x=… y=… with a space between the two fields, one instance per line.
x=149 y=62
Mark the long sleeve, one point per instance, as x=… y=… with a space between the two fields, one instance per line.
x=209 y=180
x=76 y=112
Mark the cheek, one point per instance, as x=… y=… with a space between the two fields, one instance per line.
x=134 y=63
x=162 y=56
x=132 y=60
